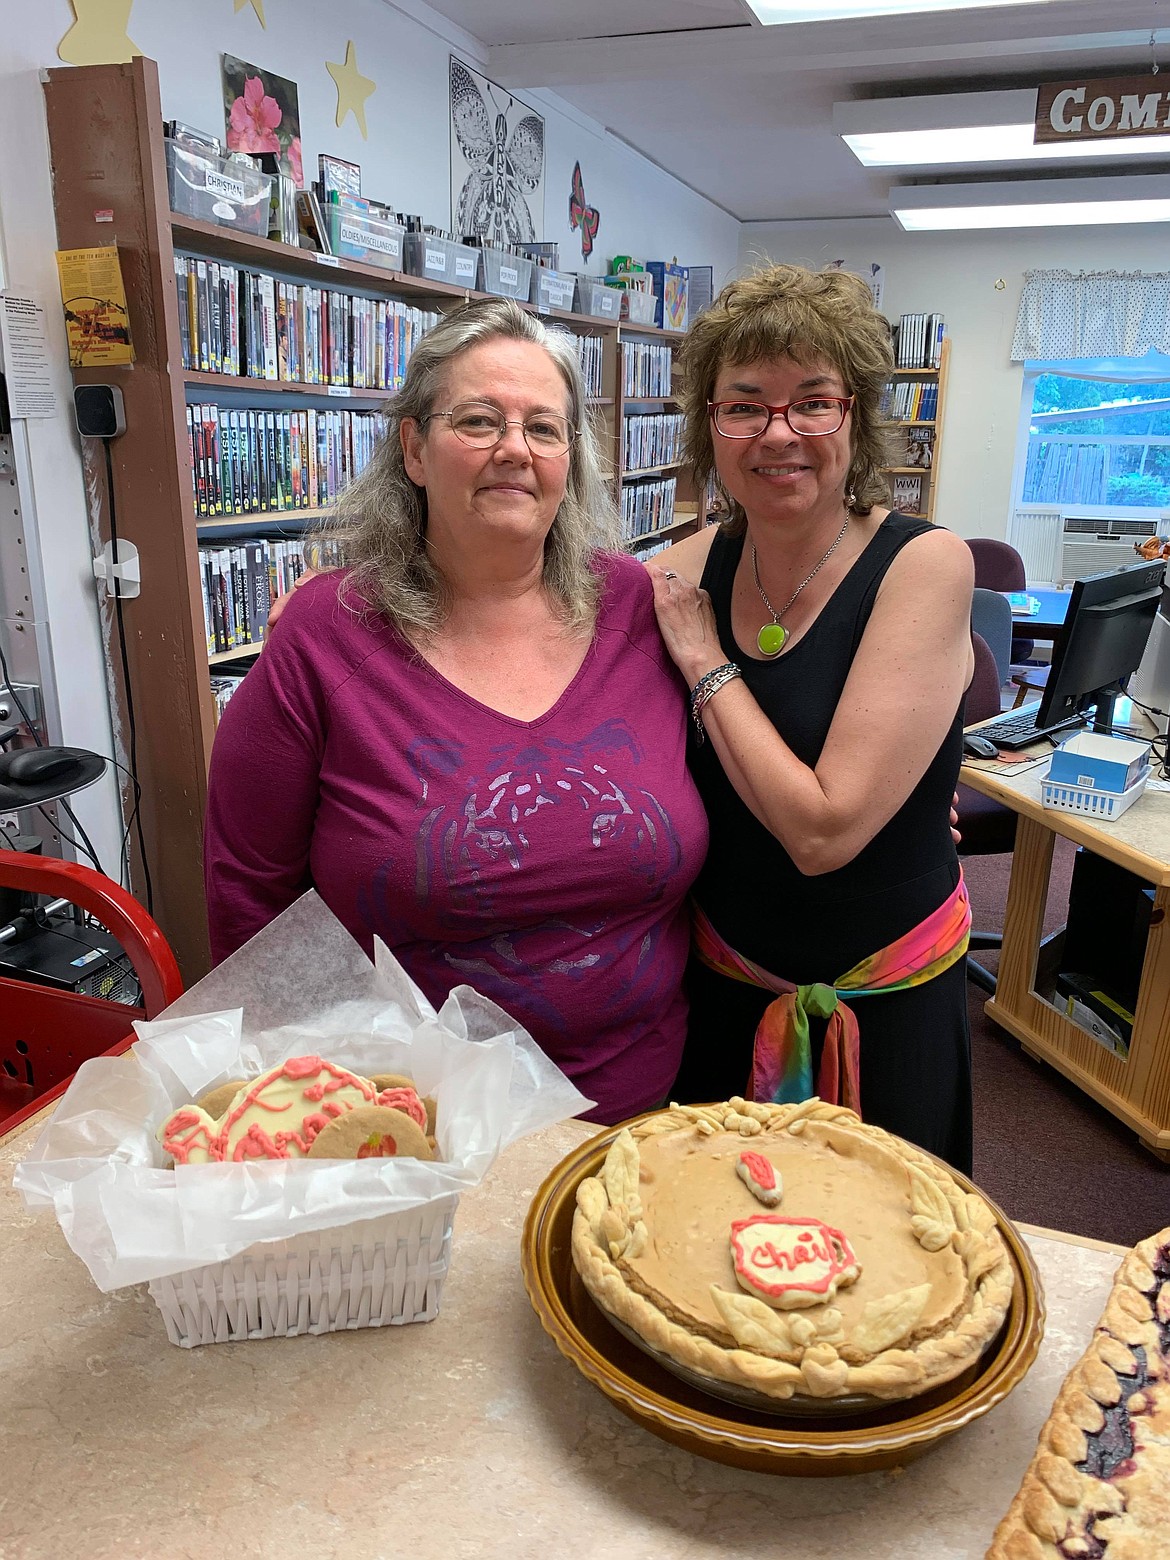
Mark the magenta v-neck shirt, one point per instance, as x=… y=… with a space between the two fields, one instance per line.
x=545 y=862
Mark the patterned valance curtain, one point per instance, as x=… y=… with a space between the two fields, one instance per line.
x=1092 y=314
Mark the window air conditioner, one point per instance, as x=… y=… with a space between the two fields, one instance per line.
x=1090 y=543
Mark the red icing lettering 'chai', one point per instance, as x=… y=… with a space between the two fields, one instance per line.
x=791 y=1261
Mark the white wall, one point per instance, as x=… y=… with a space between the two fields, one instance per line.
x=404 y=49
x=974 y=280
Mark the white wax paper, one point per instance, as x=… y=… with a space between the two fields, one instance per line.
x=300 y=987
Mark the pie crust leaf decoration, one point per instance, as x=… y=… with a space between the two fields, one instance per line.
x=886 y=1321
x=782 y=1335
x=621 y=1173
x=1098 y=1485
x=933 y=1221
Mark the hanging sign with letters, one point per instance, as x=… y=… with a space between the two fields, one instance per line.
x=1108 y=109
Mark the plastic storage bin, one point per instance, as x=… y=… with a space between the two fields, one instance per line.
x=213 y=189
x=638 y=307
x=552 y=289
x=1090 y=803
x=594 y=297
x=355 y=235
x=441 y=259
x=373 y=1273
x=506 y=276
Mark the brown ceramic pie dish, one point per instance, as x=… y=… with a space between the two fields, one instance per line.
x=804 y=1437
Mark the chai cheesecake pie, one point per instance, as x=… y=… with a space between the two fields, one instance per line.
x=791 y=1249
x=1098 y=1486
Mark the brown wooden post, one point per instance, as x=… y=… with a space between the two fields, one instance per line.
x=106 y=144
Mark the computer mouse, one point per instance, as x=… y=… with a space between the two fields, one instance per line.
x=975 y=746
x=37 y=766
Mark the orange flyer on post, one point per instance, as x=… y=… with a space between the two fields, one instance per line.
x=96 y=317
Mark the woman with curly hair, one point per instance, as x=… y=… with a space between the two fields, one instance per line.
x=826 y=643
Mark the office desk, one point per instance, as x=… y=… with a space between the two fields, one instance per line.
x=1048 y=622
x=1136 y=1089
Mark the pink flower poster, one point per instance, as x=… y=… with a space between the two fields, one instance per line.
x=262 y=115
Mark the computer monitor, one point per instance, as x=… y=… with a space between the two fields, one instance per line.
x=1102 y=642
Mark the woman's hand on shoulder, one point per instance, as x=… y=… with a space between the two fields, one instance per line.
x=686 y=618
x=278 y=606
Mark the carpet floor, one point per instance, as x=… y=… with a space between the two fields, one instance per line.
x=1045 y=1151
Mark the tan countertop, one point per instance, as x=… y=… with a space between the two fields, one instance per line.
x=469 y=1436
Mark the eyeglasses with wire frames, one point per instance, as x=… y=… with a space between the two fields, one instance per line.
x=482 y=426
x=811 y=416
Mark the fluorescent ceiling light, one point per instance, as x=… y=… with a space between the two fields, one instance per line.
x=965 y=127
x=774 y=13
x=1032 y=203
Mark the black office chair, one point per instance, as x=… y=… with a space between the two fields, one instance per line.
x=998 y=566
x=988 y=828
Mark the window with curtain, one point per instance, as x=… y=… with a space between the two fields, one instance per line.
x=1096 y=352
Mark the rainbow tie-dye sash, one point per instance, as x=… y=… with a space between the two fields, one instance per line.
x=782 y=1055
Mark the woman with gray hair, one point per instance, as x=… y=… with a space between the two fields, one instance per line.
x=470 y=739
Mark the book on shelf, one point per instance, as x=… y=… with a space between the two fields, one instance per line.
x=919 y=340
x=920 y=447
x=907 y=494
x=646 y=369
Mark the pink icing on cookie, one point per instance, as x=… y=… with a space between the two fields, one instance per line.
x=759 y=1176
x=407 y=1101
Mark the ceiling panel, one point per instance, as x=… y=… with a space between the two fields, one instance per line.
x=554 y=21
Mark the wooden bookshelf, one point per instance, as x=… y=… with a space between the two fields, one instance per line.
x=106 y=139
x=901 y=430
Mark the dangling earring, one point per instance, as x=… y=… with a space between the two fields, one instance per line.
x=851 y=499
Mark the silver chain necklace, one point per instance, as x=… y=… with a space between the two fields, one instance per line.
x=774 y=636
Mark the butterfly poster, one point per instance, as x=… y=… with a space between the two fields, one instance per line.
x=587 y=218
x=497 y=162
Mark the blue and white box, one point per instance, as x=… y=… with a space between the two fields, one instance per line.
x=1095 y=762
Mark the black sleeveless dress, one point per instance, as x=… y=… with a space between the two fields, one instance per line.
x=915 y=1045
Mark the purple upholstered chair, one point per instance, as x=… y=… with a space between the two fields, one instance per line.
x=988 y=828
x=998 y=566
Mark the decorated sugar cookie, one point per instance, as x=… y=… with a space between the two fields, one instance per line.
x=371 y=1132
x=791 y=1262
x=277 y=1116
x=760 y=1177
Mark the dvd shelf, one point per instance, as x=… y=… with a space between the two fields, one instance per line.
x=252 y=324
x=652 y=439
x=648 y=507
x=913 y=405
x=260 y=461
x=646 y=369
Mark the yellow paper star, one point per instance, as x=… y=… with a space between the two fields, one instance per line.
x=98 y=36
x=352 y=89
x=257 y=6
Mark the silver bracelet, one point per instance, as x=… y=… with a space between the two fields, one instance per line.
x=708 y=685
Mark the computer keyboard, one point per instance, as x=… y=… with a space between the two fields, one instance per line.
x=1019 y=729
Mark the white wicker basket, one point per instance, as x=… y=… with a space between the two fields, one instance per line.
x=374 y=1273
x=1093 y=804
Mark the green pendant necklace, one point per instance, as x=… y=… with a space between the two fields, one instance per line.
x=774 y=636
